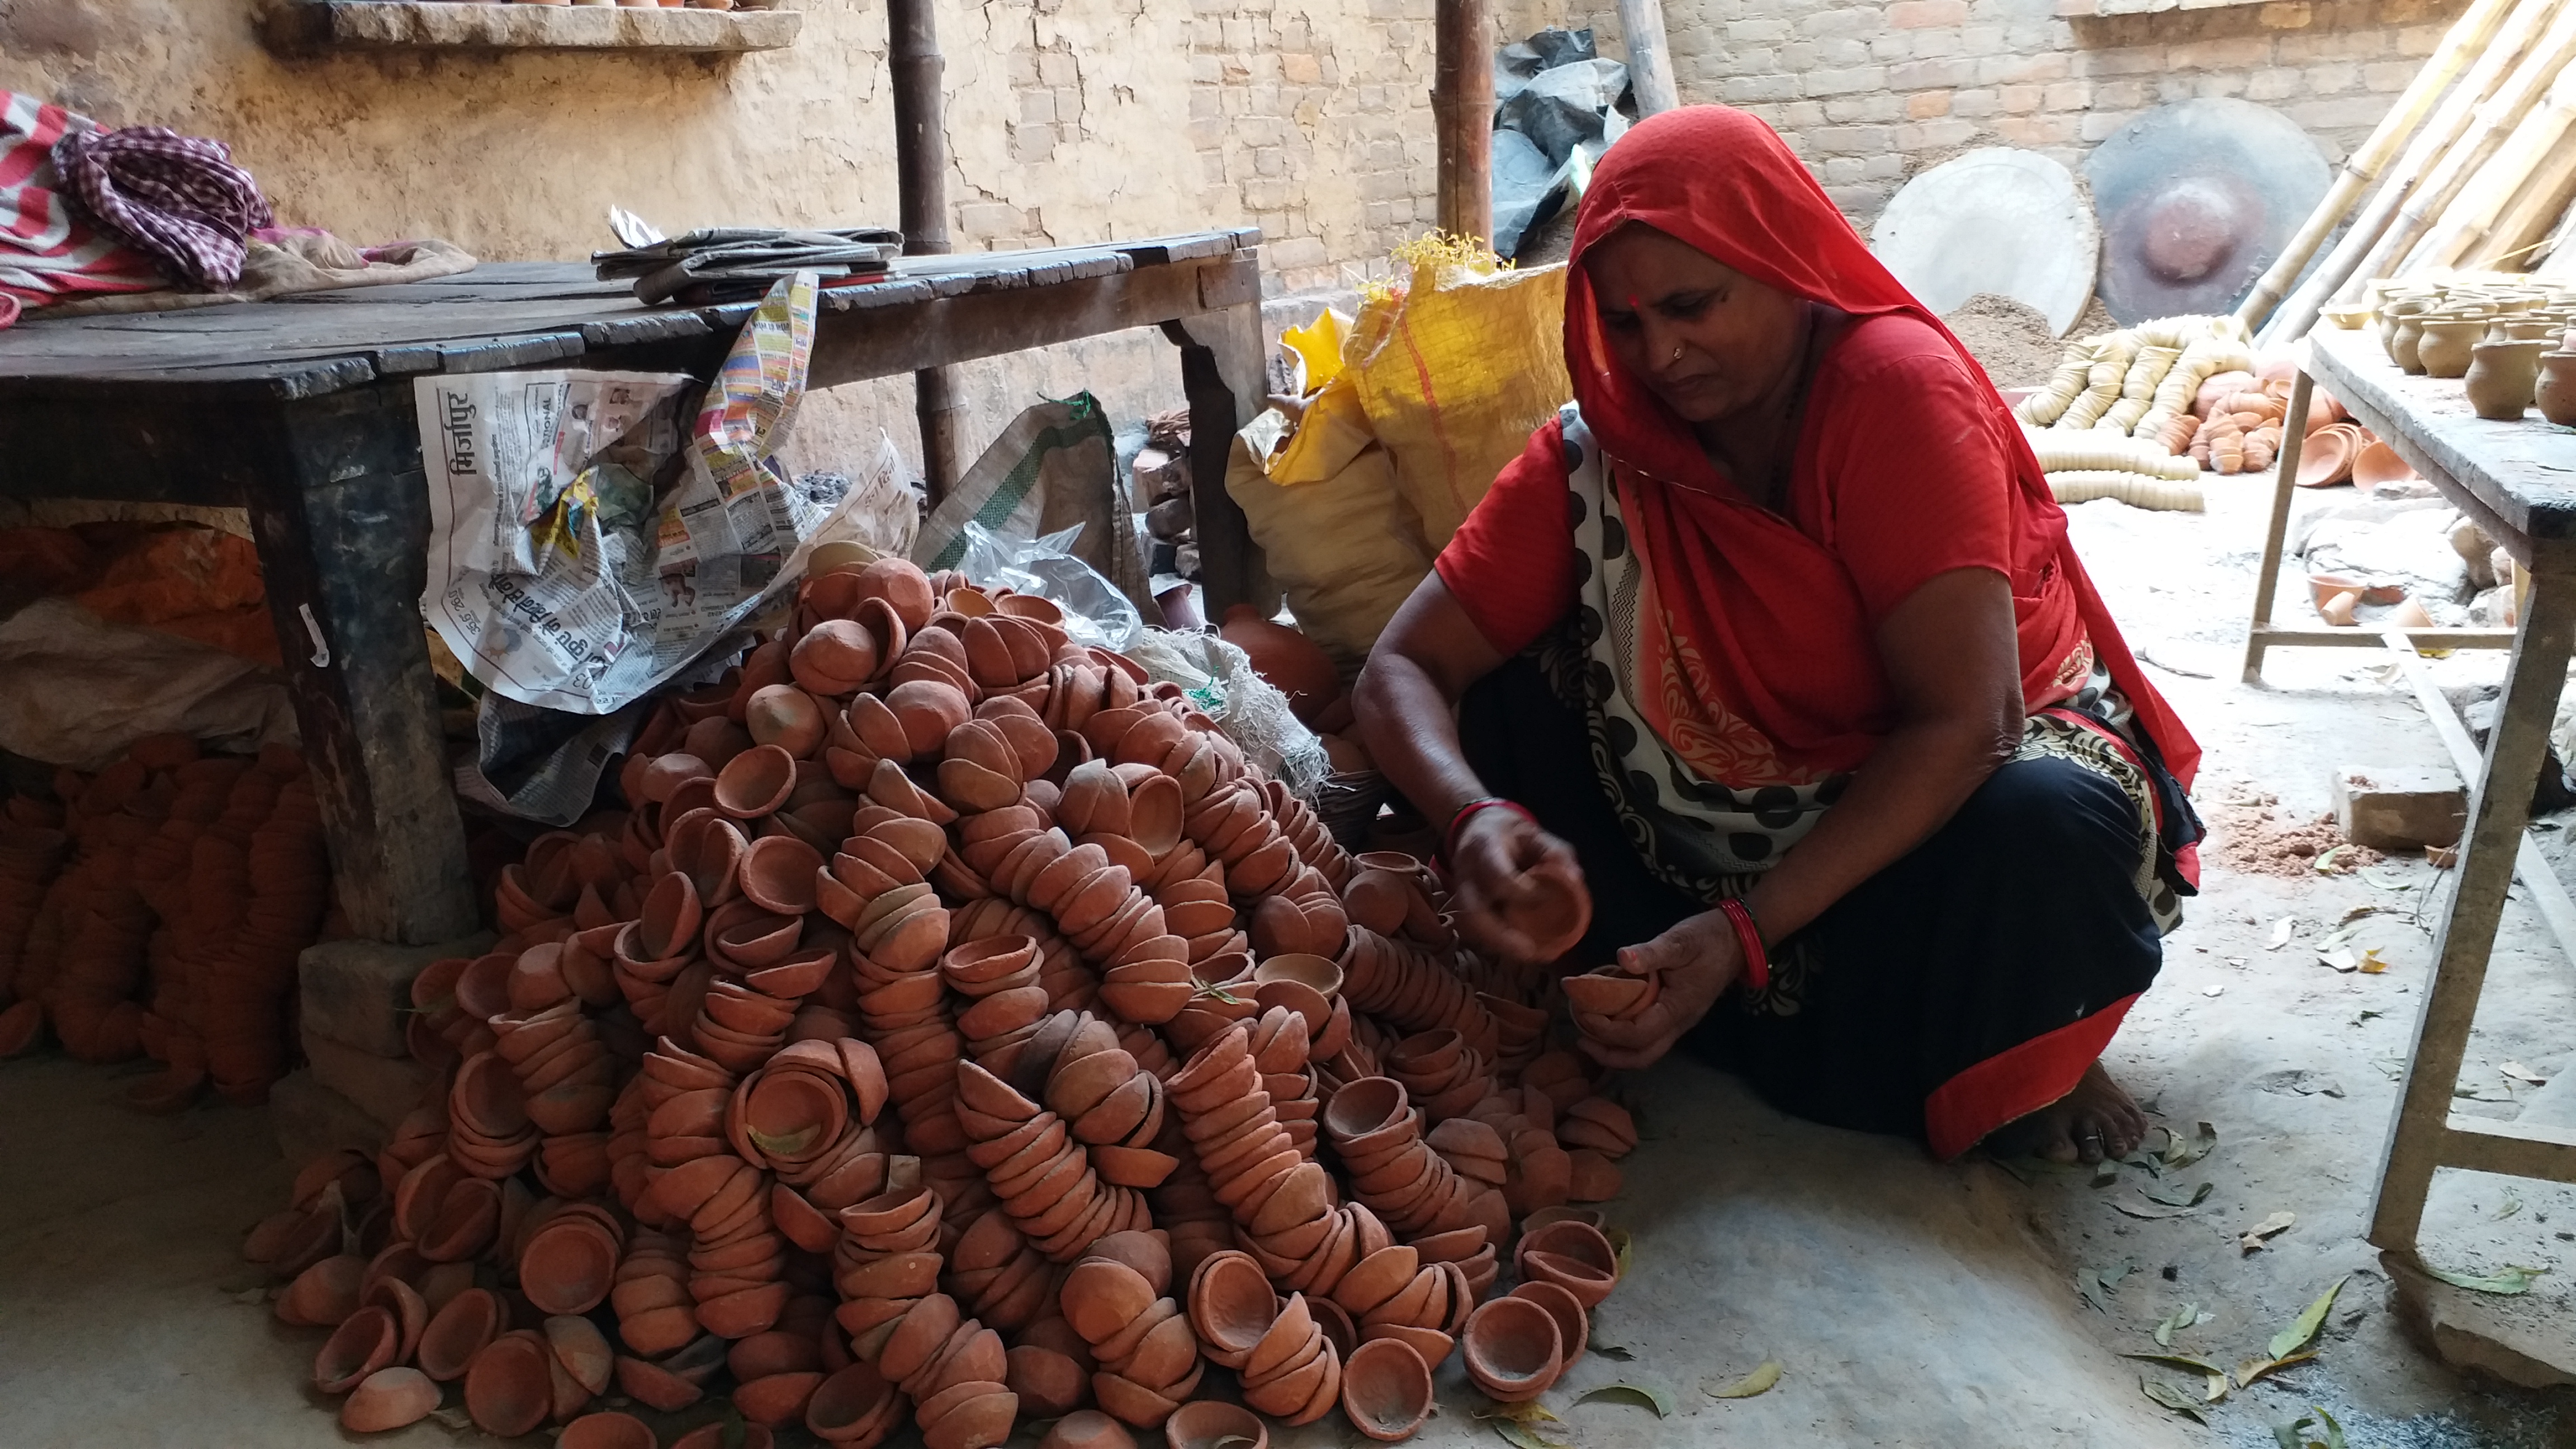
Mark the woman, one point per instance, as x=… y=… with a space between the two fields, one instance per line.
x=1777 y=639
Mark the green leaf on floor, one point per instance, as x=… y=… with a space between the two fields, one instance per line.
x=2326 y=860
x=2186 y=1316
x=2214 y=1378
x=1528 y=1412
x=2180 y=1196
x=2150 y=1213
x=2257 y=1366
x=2302 y=1330
x=2510 y=1206
x=1620 y=1245
x=1757 y=1382
x=2504 y=1282
x=2173 y=1398
x=1609 y=1350
x=2385 y=878
x=2181 y=1151
x=2292 y=1435
x=2098 y=1284
x=2265 y=1231
x=1646 y=1396
x=1521 y=1436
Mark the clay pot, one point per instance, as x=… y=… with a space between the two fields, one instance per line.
x=755 y=782
x=1386 y=1389
x=2447 y=345
x=458 y=1332
x=726 y=1435
x=2328 y=454
x=606 y=1431
x=325 y=1293
x=1512 y=1349
x=1573 y=1322
x=2502 y=378
x=854 y=1405
x=1574 y=1256
x=364 y=1342
x=1206 y=1423
x=2406 y=336
x=2378 y=463
x=509 y=1388
x=1092 y=1429
x=785 y=716
x=568 y=1266
x=2555 y=389
x=389 y=1399
x=1231 y=1306
x=1553 y=910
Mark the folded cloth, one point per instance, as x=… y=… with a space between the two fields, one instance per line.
x=724 y=263
x=48 y=247
x=180 y=198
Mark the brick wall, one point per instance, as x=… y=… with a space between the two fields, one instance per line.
x=1871 y=94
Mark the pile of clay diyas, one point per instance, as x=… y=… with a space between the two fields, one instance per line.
x=1116 y=1298
x=1518 y=1345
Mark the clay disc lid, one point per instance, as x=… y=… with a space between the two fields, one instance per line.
x=1999 y=220
x=2196 y=199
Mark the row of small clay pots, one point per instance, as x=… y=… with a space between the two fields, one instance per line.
x=1145 y=1350
x=1042 y=1176
x=1378 y=1137
x=1401 y=984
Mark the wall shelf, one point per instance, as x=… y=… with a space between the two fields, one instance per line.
x=309 y=26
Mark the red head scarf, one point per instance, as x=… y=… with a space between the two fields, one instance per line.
x=1723 y=182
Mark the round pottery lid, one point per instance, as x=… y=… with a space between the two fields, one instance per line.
x=2196 y=199
x=1997 y=220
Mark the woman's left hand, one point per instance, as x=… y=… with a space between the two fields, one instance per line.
x=1697 y=960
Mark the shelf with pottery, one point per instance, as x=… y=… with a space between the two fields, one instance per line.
x=305 y=26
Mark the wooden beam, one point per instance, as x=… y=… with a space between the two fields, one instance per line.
x=1462 y=108
x=921 y=183
x=1650 y=61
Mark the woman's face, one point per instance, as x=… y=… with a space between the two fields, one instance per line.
x=1706 y=339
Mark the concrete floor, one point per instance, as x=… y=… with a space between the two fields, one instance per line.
x=1910 y=1303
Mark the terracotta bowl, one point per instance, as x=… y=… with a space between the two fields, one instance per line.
x=389 y=1399
x=1512 y=1349
x=2379 y=463
x=607 y=1431
x=1092 y=1429
x=1206 y=1423
x=1386 y=1389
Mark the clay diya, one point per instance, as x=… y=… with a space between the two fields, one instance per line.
x=1512 y=1349
x=606 y=1431
x=388 y=1399
x=1092 y=1429
x=1386 y=1389
x=1209 y=1423
x=1573 y=1255
x=509 y=1388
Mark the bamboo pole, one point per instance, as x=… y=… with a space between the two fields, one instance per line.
x=921 y=188
x=2541 y=197
x=2470 y=31
x=2521 y=26
x=2471 y=217
x=2537 y=71
x=1462 y=108
x=1650 y=61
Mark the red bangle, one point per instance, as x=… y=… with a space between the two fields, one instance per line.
x=1748 y=936
x=1466 y=812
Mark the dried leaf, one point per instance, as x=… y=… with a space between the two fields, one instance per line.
x=2303 y=1328
x=2178 y=1196
x=2272 y=1227
x=2504 y=1282
x=2213 y=1378
x=2510 y=1206
x=1520 y=1436
x=2523 y=1074
x=2098 y=1284
x=2106 y=1173
x=1609 y=1350
x=2326 y=860
x=2181 y=1151
x=1620 y=1245
x=2257 y=1366
x=1527 y=1412
x=1647 y=1396
x=2150 y=1214
x=2368 y=1013
x=2385 y=878
x=1757 y=1382
x=2281 y=930
x=2174 y=1322
x=2174 y=1399
x=2371 y=964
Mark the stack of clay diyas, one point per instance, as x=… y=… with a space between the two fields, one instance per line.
x=1147 y=1356
x=1289 y=1368
x=1040 y=1172
x=30 y=855
x=1005 y=1282
x=668 y=1359
x=1440 y=1071
x=1378 y=1138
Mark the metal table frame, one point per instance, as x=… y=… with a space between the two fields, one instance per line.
x=2518 y=481
x=300 y=410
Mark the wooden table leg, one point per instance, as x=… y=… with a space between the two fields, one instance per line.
x=2497 y=813
x=341 y=516
x=1226 y=380
x=2285 y=480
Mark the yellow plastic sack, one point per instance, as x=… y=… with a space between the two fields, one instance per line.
x=1455 y=373
x=1323 y=504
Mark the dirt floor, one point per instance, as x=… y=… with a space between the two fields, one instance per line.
x=1907 y=1303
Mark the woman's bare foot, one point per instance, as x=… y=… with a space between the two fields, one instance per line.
x=2095 y=1121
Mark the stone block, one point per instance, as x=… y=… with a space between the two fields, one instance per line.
x=358 y=993
x=2522 y=1342
x=385 y=1088
x=309 y=1119
x=2400 y=807
x=315 y=25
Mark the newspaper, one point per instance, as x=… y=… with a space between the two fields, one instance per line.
x=592 y=533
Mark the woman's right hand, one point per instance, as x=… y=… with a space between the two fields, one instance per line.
x=1499 y=861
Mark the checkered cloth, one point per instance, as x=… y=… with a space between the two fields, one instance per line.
x=180 y=198
x=49 y=249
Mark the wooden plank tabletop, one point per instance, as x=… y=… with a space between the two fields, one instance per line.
x=505 y=314
x=2519 y=477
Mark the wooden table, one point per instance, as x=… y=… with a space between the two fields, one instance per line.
x=300 y=410
x=2518 y=481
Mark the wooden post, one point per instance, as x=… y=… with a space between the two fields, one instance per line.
x=921 y=182
x=1462 y=108
x=1650 y=61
